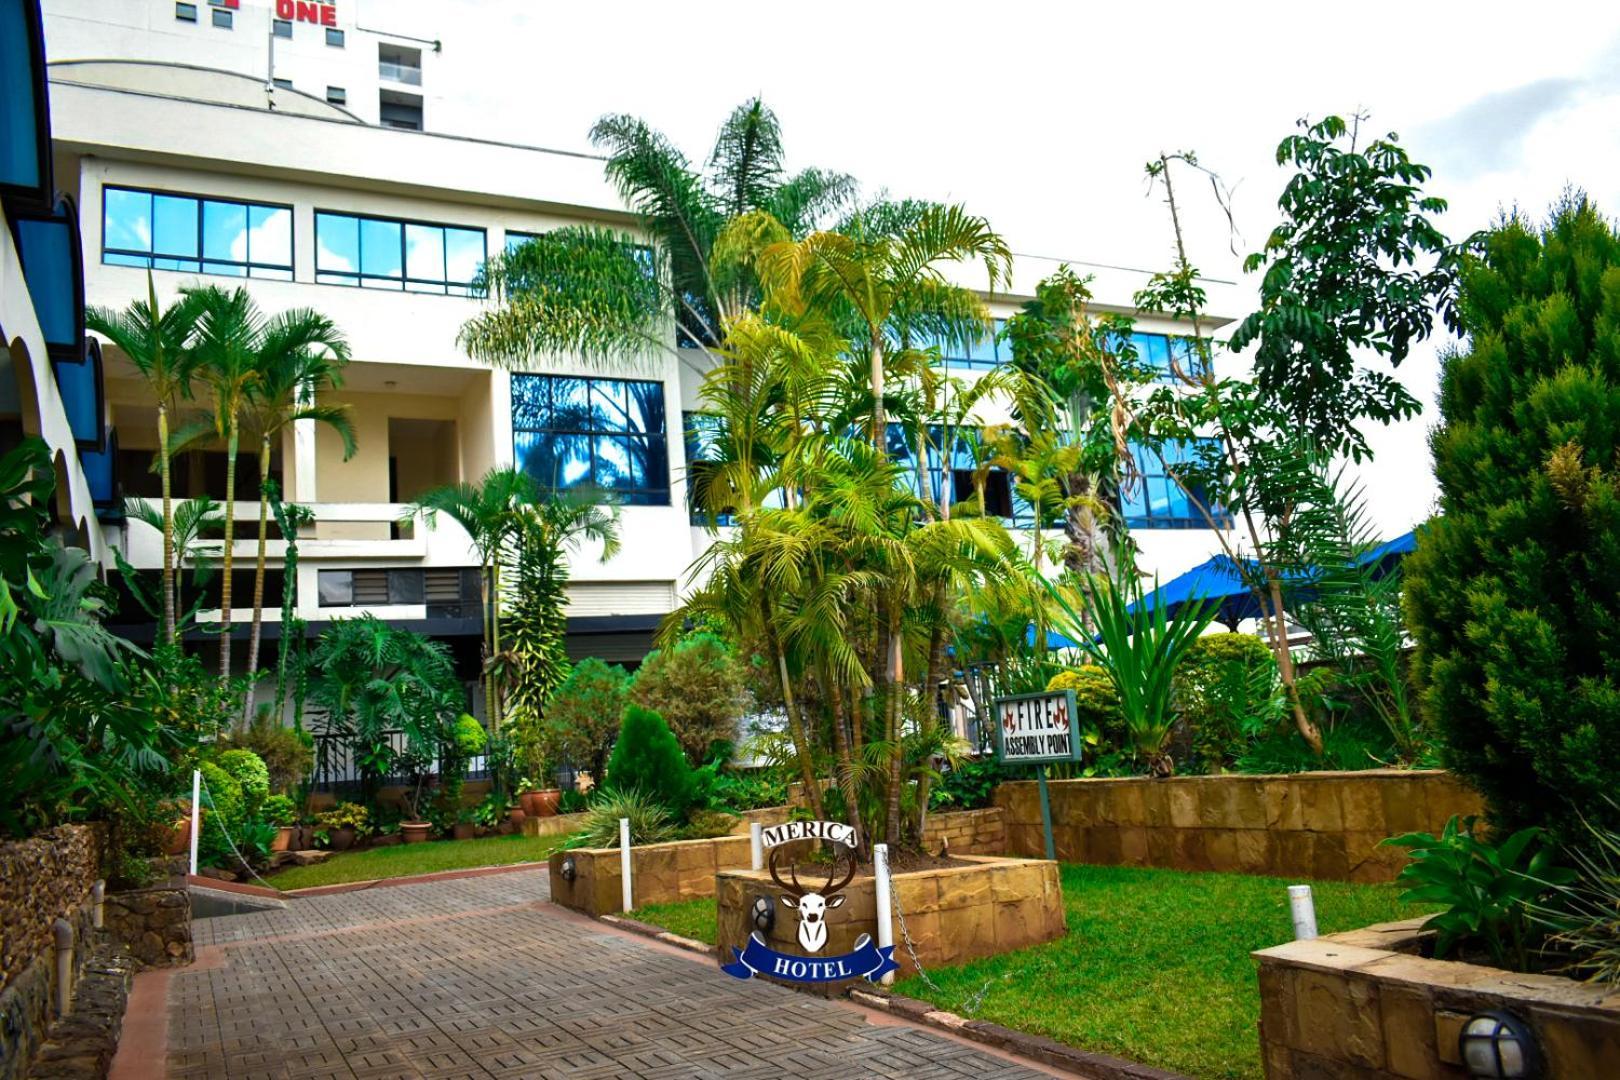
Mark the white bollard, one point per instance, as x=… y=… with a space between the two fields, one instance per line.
x=885 y=906
x=196 y=816
x=756 y=844
x=64 y=966
x=1303 y=909
x=624 y=860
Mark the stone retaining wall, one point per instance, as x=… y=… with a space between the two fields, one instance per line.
x=967 y=832
x=953 y=914
x=43 y=878
x=1323 y=825
x=153 y=925
x=1365 y=1004
x=660 y=873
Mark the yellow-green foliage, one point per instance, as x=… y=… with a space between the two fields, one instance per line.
x=1096 y=703
x=1224 y=682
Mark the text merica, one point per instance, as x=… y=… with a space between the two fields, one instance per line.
x=833 y=831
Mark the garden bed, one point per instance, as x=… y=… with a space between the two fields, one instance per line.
x=406 y=860
x=982 y=906
x=1324 y=825
x=1369 y=1002
x=660 y=873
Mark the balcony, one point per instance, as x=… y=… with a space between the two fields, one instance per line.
x=392 y=71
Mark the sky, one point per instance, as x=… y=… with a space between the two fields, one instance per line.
x=1040 y=116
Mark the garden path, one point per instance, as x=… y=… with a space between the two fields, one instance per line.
x=481 y=977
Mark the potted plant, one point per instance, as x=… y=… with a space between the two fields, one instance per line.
x=415 y=828
x=177 y=837
x=280 y=812
x=547 y=801
x=528 y=796
x=515 y=814
x=465 y=826
x=342 y=825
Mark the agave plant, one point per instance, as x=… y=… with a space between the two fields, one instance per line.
x=649 y=822
x=1139 y=647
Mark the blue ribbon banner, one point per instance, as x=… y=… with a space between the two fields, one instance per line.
x=866 y=962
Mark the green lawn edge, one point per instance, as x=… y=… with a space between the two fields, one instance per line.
x=409 y=860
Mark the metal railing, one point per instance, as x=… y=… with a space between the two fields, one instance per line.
x=337 y=772
x=401 y=73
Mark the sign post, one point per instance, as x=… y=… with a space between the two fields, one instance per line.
x=1037 y=729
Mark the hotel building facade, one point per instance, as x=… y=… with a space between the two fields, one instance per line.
x=297 y=151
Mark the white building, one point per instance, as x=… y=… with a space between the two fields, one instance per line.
x=185 y=155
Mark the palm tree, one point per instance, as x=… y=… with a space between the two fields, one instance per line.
x=294 y=370
x=156 y=343
x=537 y=611
x=492 y=513
x=602 y=294
x=191 y=517
x=881 y=272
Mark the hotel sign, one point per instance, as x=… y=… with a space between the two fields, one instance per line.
x=1032 y=729
x=302 y=11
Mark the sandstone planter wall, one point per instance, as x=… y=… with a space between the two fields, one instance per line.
x=555 y=825
x=1364 y=1004
x=968 y=832
x=1324 y=825
x=660 y=873
x=954 y=914
x=42 y=879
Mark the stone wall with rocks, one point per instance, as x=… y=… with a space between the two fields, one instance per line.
x=1366 y=1004
x=43 y=878
x=1324 y=825
x=152 y=925
x=967 y=832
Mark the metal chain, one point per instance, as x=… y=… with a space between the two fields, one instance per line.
x=971 y=1004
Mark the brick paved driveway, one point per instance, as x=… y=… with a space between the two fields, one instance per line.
x=480 y=977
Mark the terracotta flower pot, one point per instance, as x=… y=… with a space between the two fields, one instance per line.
x=342 y=838
x=306 y=837
x=516 y=815
x=464 y=830
x=546 y=802
x=178 y=838
x=415 y=832
x=529 y=800
x=284 y=838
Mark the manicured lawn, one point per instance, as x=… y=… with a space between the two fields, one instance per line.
x=688 y=918
x=1155 y=967
x=404 y=860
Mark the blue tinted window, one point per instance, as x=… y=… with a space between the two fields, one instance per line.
x=984 y=353
x=79 y=383
x=606 y=434
x=1155 y=351
x=195 y=235
x=20 y=164
x=47 y=249
x=1157 y=499
x=384 y=253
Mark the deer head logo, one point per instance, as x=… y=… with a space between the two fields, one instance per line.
x=813 y=906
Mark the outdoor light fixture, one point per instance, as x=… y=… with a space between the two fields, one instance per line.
x=764 y=914
x=1499 y=1044
x=567 y=868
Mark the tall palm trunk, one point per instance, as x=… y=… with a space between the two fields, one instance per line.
x=488 y=671
x=796 y=729
x=880 y=421
x=495 y=645
x=846 y=765
x=168 y=524
x=232 y=442
x=258 y=575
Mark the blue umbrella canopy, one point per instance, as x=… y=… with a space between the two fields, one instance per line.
x=1389 y=554
x=1054 y=640
x=1217 y=579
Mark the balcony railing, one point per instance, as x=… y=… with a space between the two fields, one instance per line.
x=400 y=73
x=336 y=771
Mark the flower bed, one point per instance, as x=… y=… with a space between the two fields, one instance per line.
x=953 y=914
x=1368 y=1002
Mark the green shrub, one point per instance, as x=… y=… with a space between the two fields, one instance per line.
x=696 y=685
x=1096 y=703
x=582 y=716
x=646 y=758
x=1227 y=692
x=1513 y=593
x=224 y=813
x=1351 y=744
x=650 y=823
x=744 y=791
x=279 y=810
x=288 y=755
x=249 y=770
x=469 y=736
x=572 y=802
x=972 y=784
x=345 y=815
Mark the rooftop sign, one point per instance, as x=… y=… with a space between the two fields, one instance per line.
x=303 y=11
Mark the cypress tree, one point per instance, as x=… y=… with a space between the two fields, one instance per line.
x=1513 y=594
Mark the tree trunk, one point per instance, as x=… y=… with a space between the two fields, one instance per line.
x=801 y=745
x=231 y=445
x=169 y=629
x=846 y=770
x=496 y=704
x=258 y=576
x=880 y=421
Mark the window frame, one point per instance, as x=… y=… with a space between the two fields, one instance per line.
x=184 y=12
x=337 y=95
x=334 y=38
x=281 y=28
x=359 y=277
x=202 y=261
x=645 y=496
x=222 y=18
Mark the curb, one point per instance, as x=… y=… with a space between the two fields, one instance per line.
x=1084 y=1063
